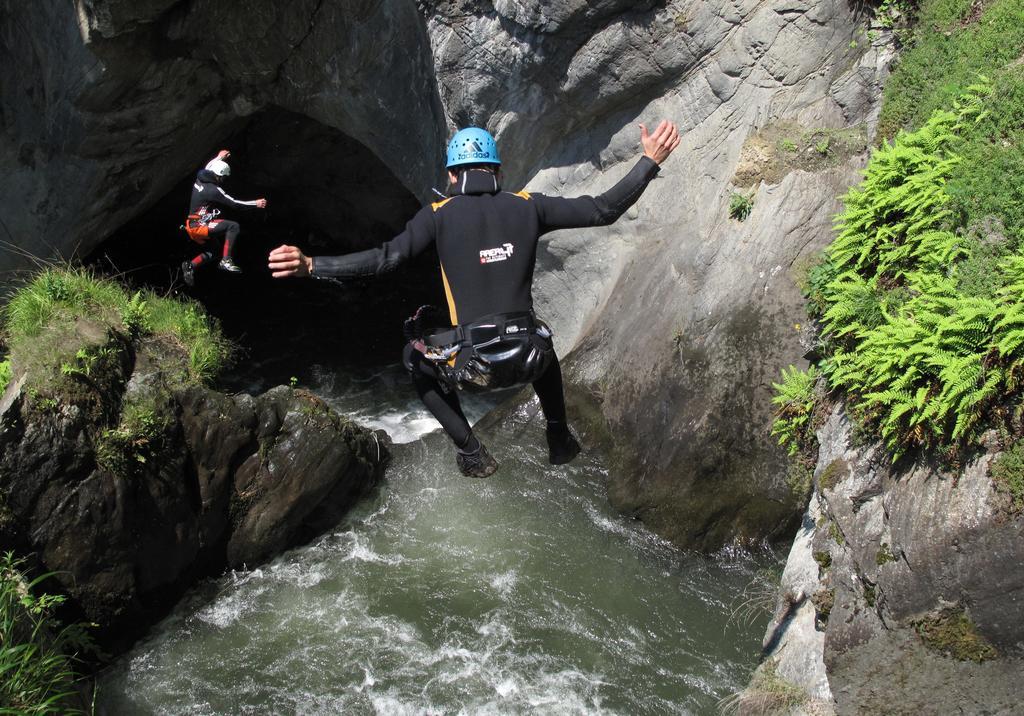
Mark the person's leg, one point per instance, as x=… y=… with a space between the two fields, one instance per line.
x=562 y=445
x=228 y=231
x=443 y=404
x=202 y=259
x=188 y=268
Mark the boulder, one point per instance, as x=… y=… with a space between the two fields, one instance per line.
x=128 y=515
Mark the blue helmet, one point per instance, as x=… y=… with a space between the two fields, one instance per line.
x=472 y=145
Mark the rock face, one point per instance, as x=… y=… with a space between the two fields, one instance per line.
x=222 y=482
x=680 y=316
x=918 y=586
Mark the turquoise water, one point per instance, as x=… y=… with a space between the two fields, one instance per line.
x=522 y=593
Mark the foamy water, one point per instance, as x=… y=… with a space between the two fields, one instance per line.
x=523 y=593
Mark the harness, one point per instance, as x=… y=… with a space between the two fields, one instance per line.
x=197 y=225
x=502 y=350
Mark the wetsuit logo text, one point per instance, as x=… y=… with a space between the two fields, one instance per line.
x=488 y=256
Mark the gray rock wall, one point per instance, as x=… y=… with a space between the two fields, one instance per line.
x=914 y=576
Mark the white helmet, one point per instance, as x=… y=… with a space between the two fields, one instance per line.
x=219 y=167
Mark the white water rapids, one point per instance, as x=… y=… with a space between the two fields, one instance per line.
x=520 y=594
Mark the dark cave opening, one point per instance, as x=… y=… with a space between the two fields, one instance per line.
x=326 y=194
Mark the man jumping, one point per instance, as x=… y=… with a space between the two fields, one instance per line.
x=203 y=224
x=487 y=242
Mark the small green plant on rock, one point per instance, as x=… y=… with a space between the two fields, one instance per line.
x=884 y=554
x=787 y=145
x=799 y=479
x=740 y=206
x=135 y=316
x=833 y=473
x=1007 y=472
x=5 y=374
x=823 y=601
x=137 y=438
x=951 y=632
x=794 y=401
x=835 y=533
x=823 y=146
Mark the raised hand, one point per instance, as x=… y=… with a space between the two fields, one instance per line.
x=261 y=203
x=286 y=261
x=661 y=142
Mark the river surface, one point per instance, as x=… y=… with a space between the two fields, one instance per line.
x=523 y=593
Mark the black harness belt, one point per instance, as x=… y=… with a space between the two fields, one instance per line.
x=501 y=350
x=486 y=330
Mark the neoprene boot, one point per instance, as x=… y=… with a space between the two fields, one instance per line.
x=478 y=463
x=226 y=264
x=562 y=444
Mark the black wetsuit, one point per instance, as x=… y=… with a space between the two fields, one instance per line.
x=207 y=194
x=487 y=243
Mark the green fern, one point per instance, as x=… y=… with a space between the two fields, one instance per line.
x=794 y=401
x=923 y=361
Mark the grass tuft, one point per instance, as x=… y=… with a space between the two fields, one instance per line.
x=36 y=673
x=58 y=297
x=767 y=694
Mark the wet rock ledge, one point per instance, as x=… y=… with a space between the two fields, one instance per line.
x=130 y=483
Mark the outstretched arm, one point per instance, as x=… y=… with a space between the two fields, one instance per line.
x=227 y=200
x=286 y=261
x=559 y=213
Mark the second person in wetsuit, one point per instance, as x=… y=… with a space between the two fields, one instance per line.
x=203 y=224
x=486 y=240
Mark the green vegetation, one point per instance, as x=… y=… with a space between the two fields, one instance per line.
x=823 y=601
x=40 y=312
x=884 y=555
x=779 y=148
x=137 y=438
x=832 y=474
x=1008 y=473
x=920 y=298
x=920 y=357
x=870 y=594
x=740 y=206
x=800 y=480
x=5 y=374
x=824 y=559
x=794 y=404
x=36 y=673
x=835 y=533
x=757 y=598
x=954 y=41
x=951 y=632
x=768 y=693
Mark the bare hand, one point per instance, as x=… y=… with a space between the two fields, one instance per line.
x=223 y=154
x=261 y=203
x=660 y=143
x=286 y=261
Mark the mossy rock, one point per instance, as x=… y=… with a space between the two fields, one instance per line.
x=833 y=474
x=951 y=632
